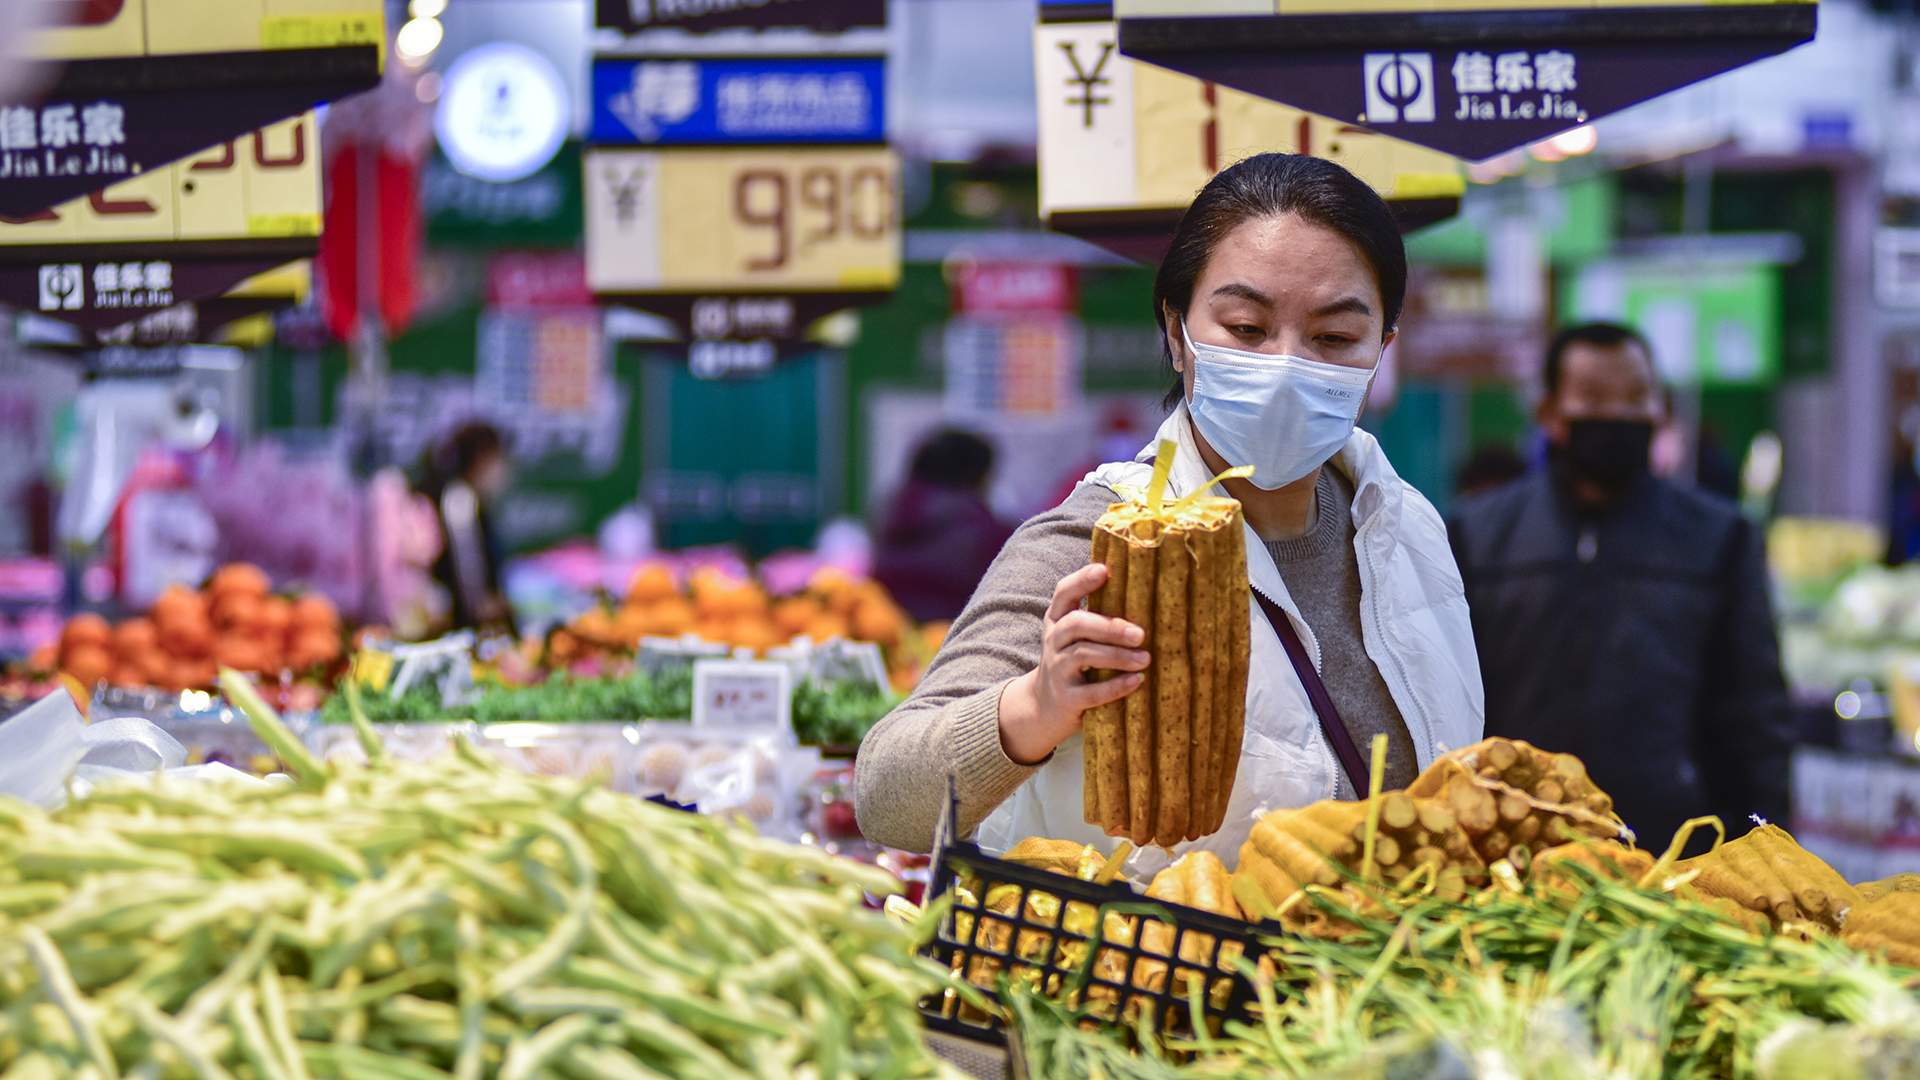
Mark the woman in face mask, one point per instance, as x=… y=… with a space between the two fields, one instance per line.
x=1276 y=298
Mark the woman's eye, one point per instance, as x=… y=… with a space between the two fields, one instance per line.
x=1244 y=330
x=1336 y=341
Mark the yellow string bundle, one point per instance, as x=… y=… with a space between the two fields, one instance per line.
x=1160 y=763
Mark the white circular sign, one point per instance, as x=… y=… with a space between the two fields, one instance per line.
x=503 y=112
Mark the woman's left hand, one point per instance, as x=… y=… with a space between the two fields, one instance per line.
x=1041 y=709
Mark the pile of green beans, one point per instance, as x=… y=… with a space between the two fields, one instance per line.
x=451 y=920
x=1605 y=980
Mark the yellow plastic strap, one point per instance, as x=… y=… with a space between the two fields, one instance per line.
x=1373 y=806
x=1238 y=472
x=1162 y=465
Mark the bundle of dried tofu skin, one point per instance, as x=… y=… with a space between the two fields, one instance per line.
x=1160 y=763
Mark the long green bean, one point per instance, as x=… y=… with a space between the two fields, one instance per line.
x=452 y=919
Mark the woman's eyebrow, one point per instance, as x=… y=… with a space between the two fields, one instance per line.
x=1346 y=305
x=1244 y=292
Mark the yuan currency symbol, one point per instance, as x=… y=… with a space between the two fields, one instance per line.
x=1087 y=81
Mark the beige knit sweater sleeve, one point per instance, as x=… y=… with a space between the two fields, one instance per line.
x=951 y=722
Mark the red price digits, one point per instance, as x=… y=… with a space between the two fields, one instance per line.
x=820 y=191
x=757 y=188
x=295 y=157
x=830 y=202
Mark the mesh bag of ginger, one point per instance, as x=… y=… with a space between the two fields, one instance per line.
x=1161 y=762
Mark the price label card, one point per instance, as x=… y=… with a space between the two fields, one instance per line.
x=116 y=29
x=742 y=695
x=446 y=664
x=658 y=655
x=743 y=221
x=841 y=660
x=1119 y=134
x=265 y=184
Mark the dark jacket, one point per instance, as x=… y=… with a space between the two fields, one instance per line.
x=933 y=547
x=1641 y=640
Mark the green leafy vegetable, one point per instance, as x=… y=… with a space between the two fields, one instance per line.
x=837 y=714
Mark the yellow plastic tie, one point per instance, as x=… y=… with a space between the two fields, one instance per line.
x=1679 y=844
x=1238 y=472
x=1155 y=497
x=1162 y=465
x=1374 y=781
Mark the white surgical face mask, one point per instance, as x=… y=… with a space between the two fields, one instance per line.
x=1283 y=415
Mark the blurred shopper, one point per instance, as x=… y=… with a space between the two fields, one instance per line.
x=1492 y=466
x=467 y=473
x=1119 y=437
x=1903 y=505
x=1623 y=618
x=939 y=534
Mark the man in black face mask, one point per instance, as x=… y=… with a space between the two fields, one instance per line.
x=1622 y=618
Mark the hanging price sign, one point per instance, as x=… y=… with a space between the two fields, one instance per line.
x=743 y=221
x=142 y=83
x=1124 y=145
x=188 y=232
x=1472 y=78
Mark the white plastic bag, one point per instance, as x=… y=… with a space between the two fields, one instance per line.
x=39 y=748
x=48 y=750
x=131 y=744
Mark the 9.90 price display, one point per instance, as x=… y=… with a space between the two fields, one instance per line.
x=777 y=220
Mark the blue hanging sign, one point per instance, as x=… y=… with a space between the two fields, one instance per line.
x=759 y=100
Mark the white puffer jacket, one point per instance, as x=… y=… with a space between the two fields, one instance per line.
x=1413 y=616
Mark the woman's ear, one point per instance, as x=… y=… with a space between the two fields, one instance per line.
x=1176 y=347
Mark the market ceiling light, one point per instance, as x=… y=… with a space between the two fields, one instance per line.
x=427 y=9
x=1576 y=141
x=417 y=39
x=1847 y=705
x=503 y=112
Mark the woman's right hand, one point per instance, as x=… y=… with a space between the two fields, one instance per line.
x=1040 y=709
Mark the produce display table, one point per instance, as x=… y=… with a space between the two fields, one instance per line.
x=769 y=782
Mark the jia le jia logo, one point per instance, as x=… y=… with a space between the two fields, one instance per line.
x=63 y=286
x=1401 y=87
x=63 y=139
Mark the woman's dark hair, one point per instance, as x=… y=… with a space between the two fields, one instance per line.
x=952 y=458
x=469 y=445
x=1265 y=185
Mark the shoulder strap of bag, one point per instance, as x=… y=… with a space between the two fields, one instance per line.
x=1330 y=724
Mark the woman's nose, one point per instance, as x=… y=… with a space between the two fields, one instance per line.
x=1296 y=343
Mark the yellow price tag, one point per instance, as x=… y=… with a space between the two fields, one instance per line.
x=743 y=221
x=262 y=184
x=372 y=669
x=1118 y=134
x=283 y=224
x=321 y=31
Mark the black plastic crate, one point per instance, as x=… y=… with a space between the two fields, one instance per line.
x=1107 y=952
